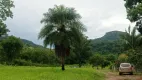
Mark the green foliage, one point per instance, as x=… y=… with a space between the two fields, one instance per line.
x=123 y=58
x=131 y=39
x=105 y=63
x=134 y=12
x=96 y=60
x=109 y=43
x=5 y=11
x=61 y=27
x=102 y=60
x=22 y=62
x=11 y=47
x=3 y=29
x=106 y=47
x=72 y=59
x=83 y=50
x=39 y=55
x=111 y=58
x=135 y=57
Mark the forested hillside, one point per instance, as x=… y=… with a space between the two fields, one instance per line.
x=109 y=43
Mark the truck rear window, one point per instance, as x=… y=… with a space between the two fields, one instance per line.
x=125 y=65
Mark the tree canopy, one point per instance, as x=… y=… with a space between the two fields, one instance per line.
x=3 y=29
x=5 y=12
x=11 y=48
x=131 y=39
x=134 y=12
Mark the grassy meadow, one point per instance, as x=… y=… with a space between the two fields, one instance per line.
x=48 y=73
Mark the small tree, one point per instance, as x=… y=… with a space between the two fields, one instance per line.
x=83 y=50
x=111 y=58
x=11 y=48
x=123 y=58
x=96 y=60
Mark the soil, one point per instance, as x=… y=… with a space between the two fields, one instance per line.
x=116 y=76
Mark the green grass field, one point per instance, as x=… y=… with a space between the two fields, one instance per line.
x=49 y=73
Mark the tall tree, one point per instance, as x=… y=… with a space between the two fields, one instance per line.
x=62 y=27
x=131 y=39
x=134 y=12
x=5 y=12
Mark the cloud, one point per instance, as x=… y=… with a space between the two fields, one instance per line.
x=99 y=16
x=114 y=20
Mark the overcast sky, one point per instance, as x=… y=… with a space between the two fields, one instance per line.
x=99 y=16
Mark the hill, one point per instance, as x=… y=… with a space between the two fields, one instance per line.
x=30 y=43
x=109 y=43
x=110 y=36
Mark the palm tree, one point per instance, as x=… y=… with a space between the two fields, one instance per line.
x=62 y=27
x=131 y=38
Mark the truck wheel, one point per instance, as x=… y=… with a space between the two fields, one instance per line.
x=120 y=73
x=131 y=73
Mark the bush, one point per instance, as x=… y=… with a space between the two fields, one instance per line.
x=135 y=57
x=39 y=55
x=123 y=58
x=96 y=60
x=22 y=62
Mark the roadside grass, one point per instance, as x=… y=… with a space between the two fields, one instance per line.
x=49 y=73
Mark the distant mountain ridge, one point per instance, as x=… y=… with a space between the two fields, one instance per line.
x=30 y=43
x=110 y=36
x=109 y=43
x=27 y=42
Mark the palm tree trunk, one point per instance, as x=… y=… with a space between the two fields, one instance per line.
x=63 y=63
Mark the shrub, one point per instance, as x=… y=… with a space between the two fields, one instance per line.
x=22 y=62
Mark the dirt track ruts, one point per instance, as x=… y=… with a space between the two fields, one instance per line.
x=116 y=76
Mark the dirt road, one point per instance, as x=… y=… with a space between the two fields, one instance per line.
x=116 y=76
